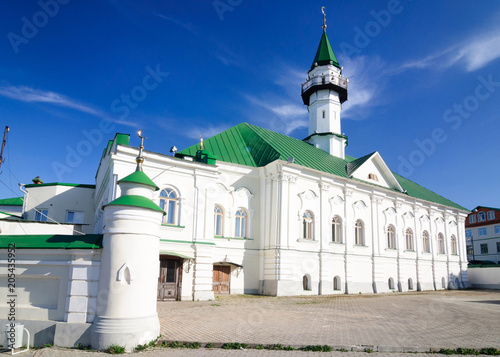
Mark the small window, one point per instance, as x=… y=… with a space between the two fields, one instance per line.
x=410 y=284
x=240 y=230
x=468 y=233
x=336 y=230
x=482 y=231
x=497 y=229
x=453 y=242
x=409 y=239
x=484 y=248
x=491 y=215
x=359 y=233
x=481 y=217
x=498 y=247
x=391 y=284
x=168 y=203
x=426 y=243
x=391 y=237
x=443 y=283
x=306 y=282
x=307 y=225
x=41 y=214
x=74 y=217
x=472 y=218
x=323 y=114
x=336 y=283
x=441 y=243
x=470 y=250
x=373 y=177
x=219 y=220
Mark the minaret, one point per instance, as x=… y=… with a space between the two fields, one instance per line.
x=324 y=92
x=128 y=279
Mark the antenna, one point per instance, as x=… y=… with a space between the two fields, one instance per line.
x=3 y=144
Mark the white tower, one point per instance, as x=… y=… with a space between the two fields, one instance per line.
x=324 y=92
x=126 y=303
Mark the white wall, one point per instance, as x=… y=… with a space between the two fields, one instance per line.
x=485 y=278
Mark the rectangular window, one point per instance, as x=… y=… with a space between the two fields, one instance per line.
x=324 y=114
x=74 y=217
x=491 y=215
x=472 y=218
x=498 y=247
x=497 y=229
x=482 y=232
x=470 y=250
x=481 y=217
x=484 y=248
x=41 y=214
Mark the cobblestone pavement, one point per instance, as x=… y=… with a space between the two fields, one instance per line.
x=420 y=320
x=384 y=322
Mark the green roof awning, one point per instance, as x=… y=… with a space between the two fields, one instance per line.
x=141 y=178
x=52 y=241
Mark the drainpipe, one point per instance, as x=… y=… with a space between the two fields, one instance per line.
x=25 y=199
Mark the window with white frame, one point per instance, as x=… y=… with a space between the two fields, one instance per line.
x=41 y=214
x=426 y=243
x=168 y=203
x=491 y=215
x=440 y=243
x=336 y=230
x=240 y=226
x=468 y=233
x=481 y=217
x=482 y=231
x=74 y=217
x=497 y=229
x=472 y=218
x=218 y=221
x=359 y=238
x=409 y=239
x=307 y=225
x=391 y=237
x=484 y=248
x=453 y=242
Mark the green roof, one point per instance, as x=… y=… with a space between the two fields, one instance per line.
x=141 y=178
x=356 y=163
x=52 y=241
x=136 y=201
x=60 y=184
x=250 y=145
x=15 y=201
x=324 y=54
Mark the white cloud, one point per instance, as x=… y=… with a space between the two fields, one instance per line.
x=473 y=54
x=30 y=95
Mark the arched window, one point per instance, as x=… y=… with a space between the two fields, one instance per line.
x=391 y=283
x=336 y=283
x=425 y=241
x=391 y=237
x=359 y=238
x=441 y=243
x=240 y=229
x=410 y=284
x=409 y=239
x=336 y=230
x=219 y=221
x=168 y=203
x=308 y=225
x=453 y=241
x=306 y=282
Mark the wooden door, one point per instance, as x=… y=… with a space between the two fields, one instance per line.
x=221 y=279
x=170 y=279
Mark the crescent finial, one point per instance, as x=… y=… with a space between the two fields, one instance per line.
x=324 y=17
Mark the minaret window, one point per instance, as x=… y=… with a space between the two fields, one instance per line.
x=324 y=114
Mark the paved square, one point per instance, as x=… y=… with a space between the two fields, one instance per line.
x=420 y=320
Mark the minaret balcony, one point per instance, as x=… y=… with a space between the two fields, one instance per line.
x=326 y=81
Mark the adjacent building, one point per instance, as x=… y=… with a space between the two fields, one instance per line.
x=482 y=231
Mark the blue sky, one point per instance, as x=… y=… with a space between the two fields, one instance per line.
x=424 y=84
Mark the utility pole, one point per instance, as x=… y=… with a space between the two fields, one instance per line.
x=3 y=145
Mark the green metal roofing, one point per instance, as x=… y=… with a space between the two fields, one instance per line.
x=52 y=241
x=356 y=163
x=136 y=201
x=324 y=54
x=141 y=178
x=250 y=145
x=15 y=201
x=61 y=184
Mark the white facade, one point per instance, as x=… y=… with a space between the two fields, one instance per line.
x=483 y=234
